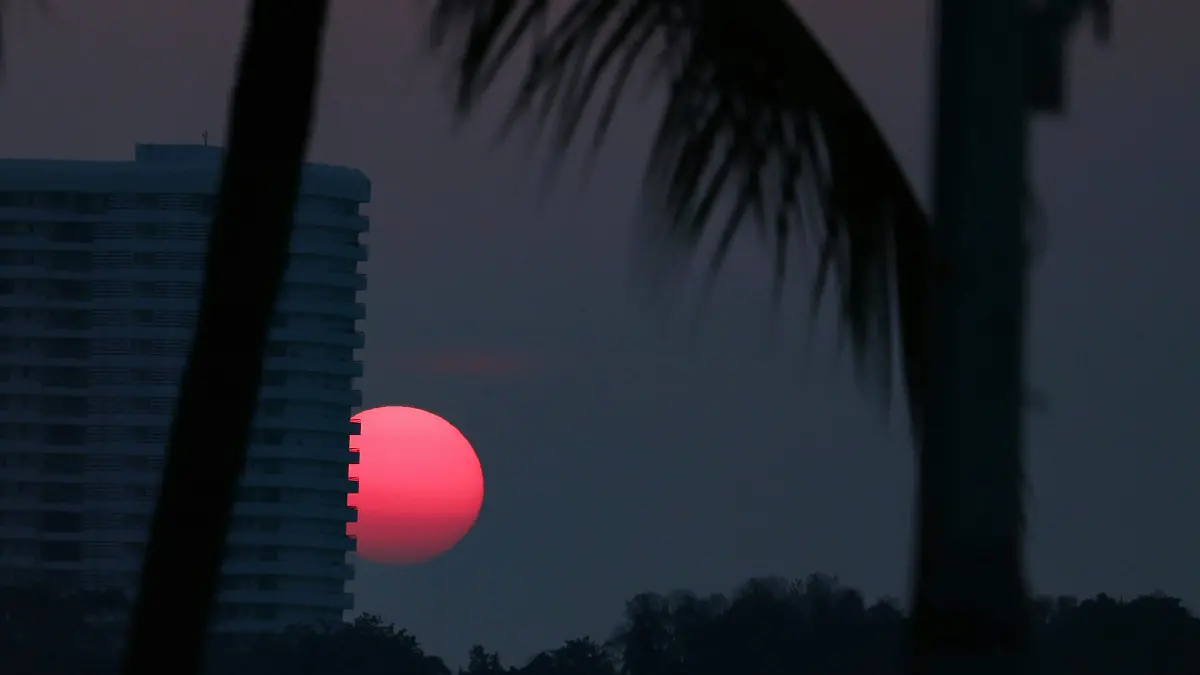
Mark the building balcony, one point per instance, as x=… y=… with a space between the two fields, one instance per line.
x=354 y=223
x=342 y=601
x=39 y=273
x=312 y=570
x=310 y=423
x=349 y=311
x=296 y=392
x=39 y=301
x=285 y=539
x=302 y=245
x=301 y=481
x=26 y=416
x=138 y=274
x=31 y=358
x=285 y=452
x=352 y=339
x=33 y=475
x=300 y=364
x=40 y=389
x=298 y=275
x=343 y=514
x=145 y=507
x=35 y=563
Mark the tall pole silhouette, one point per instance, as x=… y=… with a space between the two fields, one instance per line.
x=270 y=120
x=997 y=62
x=971 y=524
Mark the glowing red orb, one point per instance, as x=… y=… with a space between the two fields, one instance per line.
x=420 y=486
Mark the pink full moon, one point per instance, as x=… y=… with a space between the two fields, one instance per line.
x=420 y=486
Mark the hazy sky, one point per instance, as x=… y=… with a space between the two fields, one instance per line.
x=622 y=453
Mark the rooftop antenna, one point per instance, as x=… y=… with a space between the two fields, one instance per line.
x=205 y=137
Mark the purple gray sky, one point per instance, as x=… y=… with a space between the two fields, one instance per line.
x=623 y=452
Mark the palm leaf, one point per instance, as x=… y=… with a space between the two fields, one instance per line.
x=757 y=116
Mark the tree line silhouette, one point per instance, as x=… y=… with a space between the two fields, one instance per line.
x=767 y=626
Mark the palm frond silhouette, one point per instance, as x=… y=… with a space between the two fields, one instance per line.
x=757 y=117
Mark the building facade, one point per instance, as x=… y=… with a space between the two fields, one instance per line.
x=100 y=275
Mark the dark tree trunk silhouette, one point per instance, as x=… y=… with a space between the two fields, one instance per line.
x=269 y=124
x=971 y=610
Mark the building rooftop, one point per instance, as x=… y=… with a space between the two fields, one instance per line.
x=164 y=168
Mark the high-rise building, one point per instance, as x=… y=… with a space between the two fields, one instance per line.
x=100 y=277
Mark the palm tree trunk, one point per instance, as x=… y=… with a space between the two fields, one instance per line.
x=269 y=125
x=971 y=607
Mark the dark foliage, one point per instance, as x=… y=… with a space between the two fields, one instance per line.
x=758 y=118
x=767 y=627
